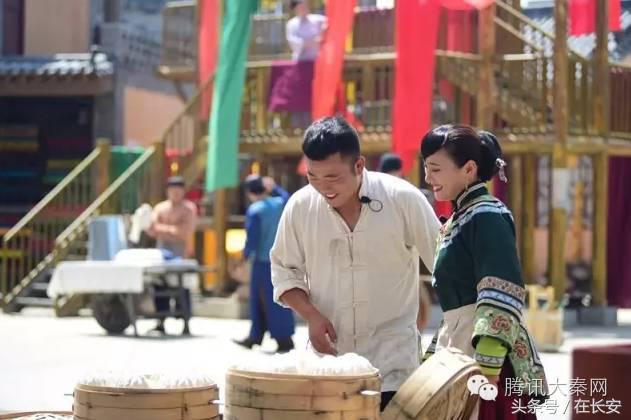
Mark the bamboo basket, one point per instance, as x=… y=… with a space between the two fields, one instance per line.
x=437 y=390
x=273 y=396
x=106 y=403
x=543 y=321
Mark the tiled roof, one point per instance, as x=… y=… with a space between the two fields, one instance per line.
x=59 y=65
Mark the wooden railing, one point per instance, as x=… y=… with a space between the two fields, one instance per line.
x=26 y=245
x=268 y=40
x=142 y=179
x=524 y=70
x=620 y=109
x=534 y=78
x=185 y=138
x=368 y=83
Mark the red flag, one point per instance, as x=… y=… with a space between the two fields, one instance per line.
x=327 y=78
x=583 y=16
x=330 y=62
x=459 y=37
x=465 y=4
x=415 y=41
x=208 y=41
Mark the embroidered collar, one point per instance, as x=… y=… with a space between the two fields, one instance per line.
x=474 y=191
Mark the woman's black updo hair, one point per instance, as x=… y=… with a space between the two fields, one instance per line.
x=463 y=144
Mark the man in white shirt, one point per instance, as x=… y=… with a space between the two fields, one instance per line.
x=304 y=32
x=346 y=255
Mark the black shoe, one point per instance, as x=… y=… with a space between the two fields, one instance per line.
x=247 y=343
x=285 y=345
x=159 y=328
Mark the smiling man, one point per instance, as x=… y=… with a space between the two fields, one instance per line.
x=346 y=255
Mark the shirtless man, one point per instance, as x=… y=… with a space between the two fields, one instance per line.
x=173 y=225
x=173 y=220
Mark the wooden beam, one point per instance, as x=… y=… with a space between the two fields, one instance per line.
x=601 y=85
x=158 y=175
x=262 y=88
x=515 y=196
x=560 y=179
x=486 y=40
x=599 y=231
x=220 y=223
x=529 y=215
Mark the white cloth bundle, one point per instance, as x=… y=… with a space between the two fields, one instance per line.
x=140 y=221
x=135 y=380
x=303 y=362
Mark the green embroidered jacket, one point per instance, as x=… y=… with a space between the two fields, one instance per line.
x=477 y=263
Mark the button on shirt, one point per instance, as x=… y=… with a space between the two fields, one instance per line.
x=364 y=281
x=301 y=31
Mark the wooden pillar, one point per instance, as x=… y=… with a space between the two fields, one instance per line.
x=262 y=88
x=415 y=173
x=560 y=179
x=578 y=208
x=157 y=181
x=601 y=85
x=516 y=196
x=529 y=215
x=601 y=193
x=220 y=225
x=601 y=162
x=486 y=41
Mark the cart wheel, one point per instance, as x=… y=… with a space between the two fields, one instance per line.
x=111 y=313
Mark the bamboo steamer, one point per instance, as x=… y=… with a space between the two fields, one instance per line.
x=274 y=396
x=437 y=390
x=38 y=415
x=107 y=403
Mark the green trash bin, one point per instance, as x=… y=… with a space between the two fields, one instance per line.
x=130 y=193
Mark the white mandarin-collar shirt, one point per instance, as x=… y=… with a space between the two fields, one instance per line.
x=364 y=281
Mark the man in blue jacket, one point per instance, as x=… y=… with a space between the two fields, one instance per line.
x=261 y=223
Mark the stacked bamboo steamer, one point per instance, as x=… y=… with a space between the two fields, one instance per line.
x=276 y=396
x=107 y=403
x=436 y=390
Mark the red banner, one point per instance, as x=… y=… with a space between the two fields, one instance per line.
x=330 y=62
x=583 y=16
x=416 y=32
x=208 y=41
x=465 y=4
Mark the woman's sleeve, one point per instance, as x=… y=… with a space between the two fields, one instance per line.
x=500 y=287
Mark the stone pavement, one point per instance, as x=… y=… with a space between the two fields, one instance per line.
x=42 y=356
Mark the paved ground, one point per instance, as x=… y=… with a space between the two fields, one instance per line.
x=42 y=356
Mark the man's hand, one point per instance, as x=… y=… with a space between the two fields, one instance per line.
x=321 y=333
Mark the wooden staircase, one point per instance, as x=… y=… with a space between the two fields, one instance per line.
x=56 y=229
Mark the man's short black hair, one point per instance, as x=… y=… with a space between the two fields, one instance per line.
x=254 y=184
x=294 y=3
x=390 y=162
x=175 y=181
x=328 y=136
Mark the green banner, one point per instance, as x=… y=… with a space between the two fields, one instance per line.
x=225 y=116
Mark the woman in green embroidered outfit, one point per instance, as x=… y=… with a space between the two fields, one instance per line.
x=477 y=275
